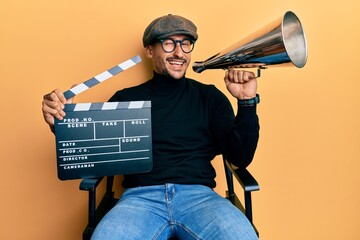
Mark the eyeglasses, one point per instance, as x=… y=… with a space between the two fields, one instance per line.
x=169 y=45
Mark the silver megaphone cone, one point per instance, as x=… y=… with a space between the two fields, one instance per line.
x=282 y=42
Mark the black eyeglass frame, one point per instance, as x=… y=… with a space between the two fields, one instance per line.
x=175 y=44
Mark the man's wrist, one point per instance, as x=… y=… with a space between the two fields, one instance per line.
x=249 y=102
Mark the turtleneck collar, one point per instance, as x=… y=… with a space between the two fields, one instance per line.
x=166 y=83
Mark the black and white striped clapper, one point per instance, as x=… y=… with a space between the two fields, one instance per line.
x=104 y=139
x=102 y=77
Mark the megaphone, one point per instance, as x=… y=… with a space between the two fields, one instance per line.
x=282 y=42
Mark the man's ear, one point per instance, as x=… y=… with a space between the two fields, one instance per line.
x=149 y=51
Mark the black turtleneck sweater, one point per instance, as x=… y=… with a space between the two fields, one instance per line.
x=191 y=124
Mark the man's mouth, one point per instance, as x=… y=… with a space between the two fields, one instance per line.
x=176 y=62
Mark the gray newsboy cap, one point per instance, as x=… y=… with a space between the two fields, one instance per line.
x=168 y=25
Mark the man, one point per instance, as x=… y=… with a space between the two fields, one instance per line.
x=191 y=124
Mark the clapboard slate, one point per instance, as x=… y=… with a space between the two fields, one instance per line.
x=102 y=139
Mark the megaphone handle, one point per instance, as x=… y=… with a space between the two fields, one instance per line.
x=259 y=71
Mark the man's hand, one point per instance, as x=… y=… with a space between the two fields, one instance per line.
x=53 y=106
x=241 y=84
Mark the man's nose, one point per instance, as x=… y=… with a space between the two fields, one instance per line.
x=178 y=50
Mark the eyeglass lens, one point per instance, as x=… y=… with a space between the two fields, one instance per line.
x=169 y=45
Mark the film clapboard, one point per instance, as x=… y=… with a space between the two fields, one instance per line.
x=101 y=139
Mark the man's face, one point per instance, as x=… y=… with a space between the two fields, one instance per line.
x=172 y=64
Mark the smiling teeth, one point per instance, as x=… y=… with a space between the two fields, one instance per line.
x=176 y=62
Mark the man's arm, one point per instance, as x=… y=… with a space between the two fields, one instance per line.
x=242 y=142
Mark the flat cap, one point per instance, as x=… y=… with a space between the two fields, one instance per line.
x=168 y=25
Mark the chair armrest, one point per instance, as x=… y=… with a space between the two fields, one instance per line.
x=95 y=213
x=90 y=184
x=244 y=177
x=247 y=182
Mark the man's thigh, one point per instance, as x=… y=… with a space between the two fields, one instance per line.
x=133 y=218
x=207 y=215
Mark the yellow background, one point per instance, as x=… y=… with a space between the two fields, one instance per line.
x=307 y=162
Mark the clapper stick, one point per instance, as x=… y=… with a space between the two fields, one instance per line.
x=102 y=77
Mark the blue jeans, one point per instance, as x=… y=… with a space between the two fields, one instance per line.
x=185 y=211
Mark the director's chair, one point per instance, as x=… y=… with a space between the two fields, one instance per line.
x=243 y=176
